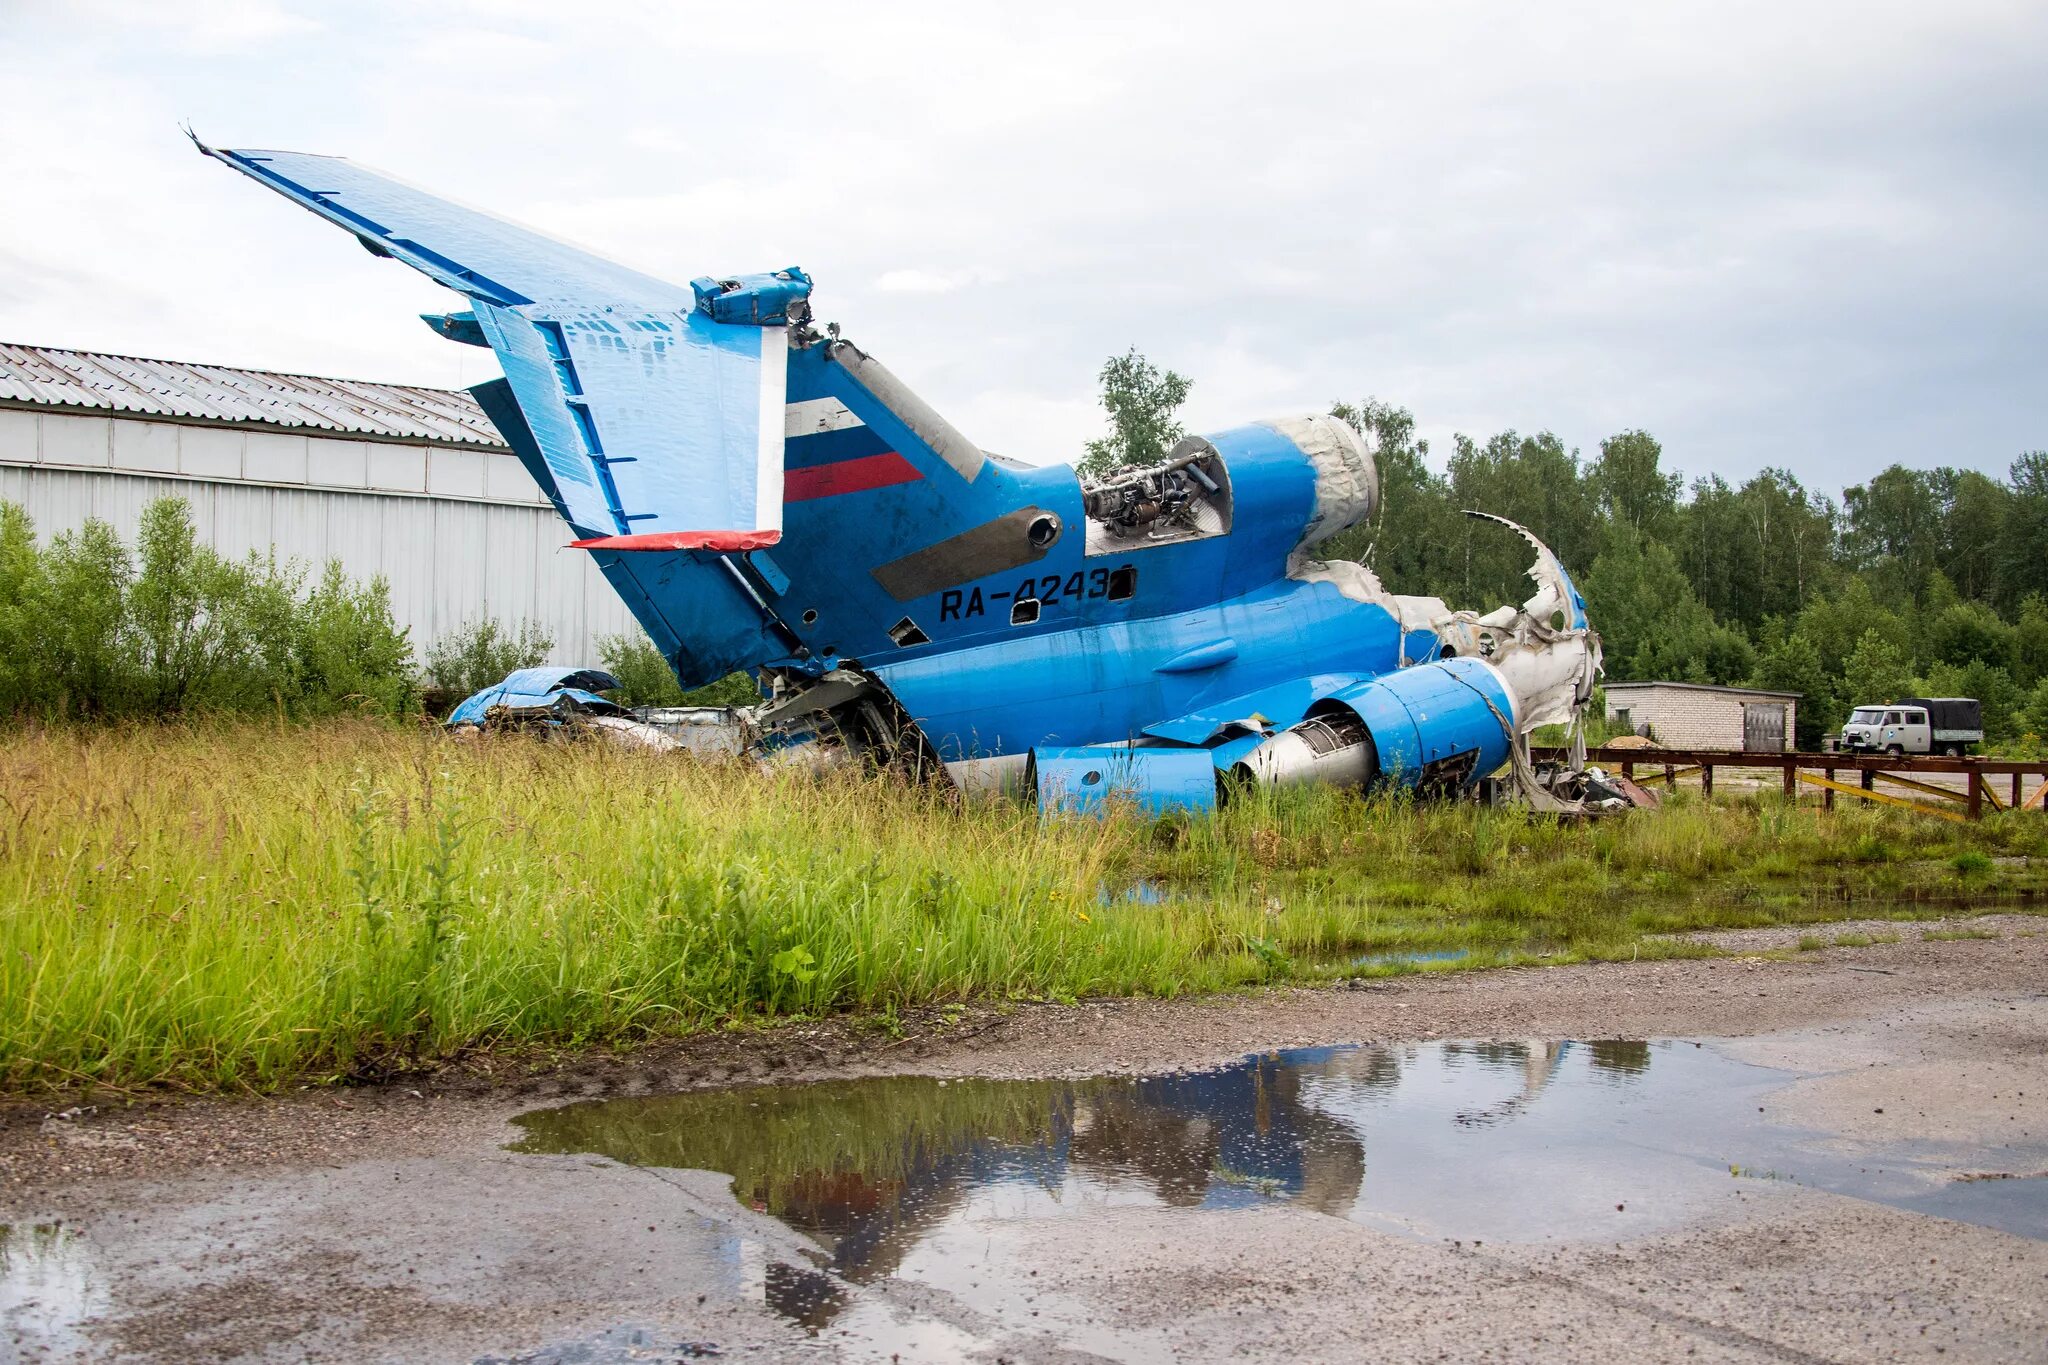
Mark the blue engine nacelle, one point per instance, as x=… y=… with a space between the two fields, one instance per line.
x=1320 y=454
x=1439 y=726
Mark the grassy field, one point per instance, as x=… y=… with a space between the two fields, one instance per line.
x=242 y=906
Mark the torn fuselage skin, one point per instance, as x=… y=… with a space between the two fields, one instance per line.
x=1469 y=689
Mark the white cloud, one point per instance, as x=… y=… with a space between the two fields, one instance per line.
x=202 y=25
x=915 y=281
x=1798 y=234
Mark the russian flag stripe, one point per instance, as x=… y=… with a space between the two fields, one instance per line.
x=848 y=476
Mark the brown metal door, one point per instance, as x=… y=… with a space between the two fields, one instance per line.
x=1763 y=727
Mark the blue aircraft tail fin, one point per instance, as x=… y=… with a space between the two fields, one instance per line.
x=658 y=408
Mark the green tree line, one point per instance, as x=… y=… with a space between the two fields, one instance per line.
x=1927 y=581
x=93 y=628
x=1921 y=581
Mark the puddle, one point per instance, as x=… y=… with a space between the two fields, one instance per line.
x=1495 y=1141
x=614 y=1346
x=1411 y=959
x=2019 y=1206
x=48 y=1288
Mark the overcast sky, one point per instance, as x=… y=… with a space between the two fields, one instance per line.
x=1772 y=234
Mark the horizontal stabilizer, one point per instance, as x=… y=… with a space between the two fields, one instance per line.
x=474 y=252
x=661 y=426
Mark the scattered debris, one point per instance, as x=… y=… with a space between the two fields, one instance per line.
x=558 y=701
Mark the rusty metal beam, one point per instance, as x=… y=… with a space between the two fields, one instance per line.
x=1991 y=796
x=1946 y=793
x=1672 y=774
x=1886 y=797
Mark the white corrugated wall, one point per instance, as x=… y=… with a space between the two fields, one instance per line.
x=458 y=533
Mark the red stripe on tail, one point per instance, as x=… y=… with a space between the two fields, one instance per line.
x=847 y=476
x=682 y=540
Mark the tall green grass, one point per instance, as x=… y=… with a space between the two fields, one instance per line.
x=242 y=905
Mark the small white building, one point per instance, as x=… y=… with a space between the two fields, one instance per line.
x=1698 y=716
x=411 y=483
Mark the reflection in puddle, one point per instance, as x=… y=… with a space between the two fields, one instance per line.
x=624 y=1345
x=1415 y=959
x=1488 y=1141
x=47 y=1287
x=804 y=1296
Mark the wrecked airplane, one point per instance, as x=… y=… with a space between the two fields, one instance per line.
x=768 y=497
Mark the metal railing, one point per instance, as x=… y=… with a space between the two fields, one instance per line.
x=1905 y=771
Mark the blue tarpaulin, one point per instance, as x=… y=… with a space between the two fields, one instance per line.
x=529 y=689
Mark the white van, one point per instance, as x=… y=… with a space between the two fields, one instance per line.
x=1889 y=729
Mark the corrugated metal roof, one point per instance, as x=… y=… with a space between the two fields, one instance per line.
x=42 y=376
x=1705 y=687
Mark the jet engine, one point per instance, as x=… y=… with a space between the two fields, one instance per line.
x=1434 y=726
x=1478 y=686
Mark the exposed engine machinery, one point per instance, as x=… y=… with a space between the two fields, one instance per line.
x=1157 y=501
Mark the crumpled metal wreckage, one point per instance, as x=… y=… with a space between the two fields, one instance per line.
x=768 y=497
x=558 y=701
x=545 y=692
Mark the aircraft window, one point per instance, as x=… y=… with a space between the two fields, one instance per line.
x=1024 y=611
x=1123 y=583
x=905 y=633
x=811 y=617
x=1092 y=777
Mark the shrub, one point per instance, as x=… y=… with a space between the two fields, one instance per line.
x=645 y=679
x=187 y=614
x=348 y=648
x=21 y=603
x=478 y=653
x=89 y=629
x=82 y=618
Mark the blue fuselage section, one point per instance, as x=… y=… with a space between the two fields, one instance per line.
x=1109 y=682
x=1117 y=640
